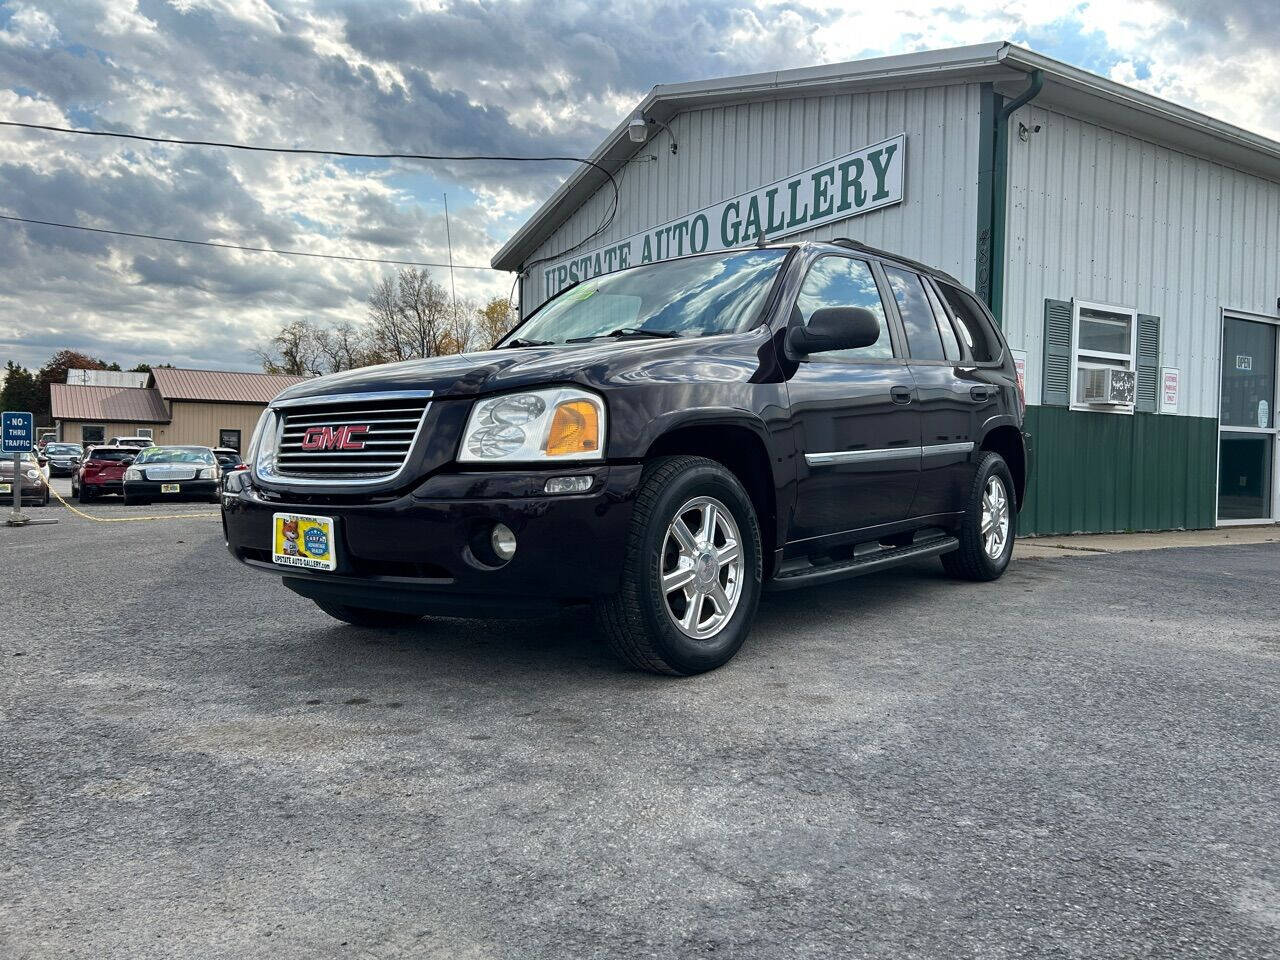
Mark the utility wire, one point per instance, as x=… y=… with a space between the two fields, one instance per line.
x=237 y=246
x=329 y=153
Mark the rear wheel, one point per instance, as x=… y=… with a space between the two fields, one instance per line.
x=83 y=493
x=368 y=617
x=691 y=573
x=990 y=524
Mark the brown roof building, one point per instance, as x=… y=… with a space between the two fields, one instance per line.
x=216 y=408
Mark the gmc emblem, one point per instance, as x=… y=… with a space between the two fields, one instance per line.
x=334 y=438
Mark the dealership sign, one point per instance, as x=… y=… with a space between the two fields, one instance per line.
x=863 y=180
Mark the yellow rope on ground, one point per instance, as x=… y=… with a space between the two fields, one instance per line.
x=170 y=516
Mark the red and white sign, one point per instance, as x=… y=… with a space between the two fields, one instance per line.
x=1170 y=387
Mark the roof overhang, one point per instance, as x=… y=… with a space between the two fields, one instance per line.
x=1067 y=88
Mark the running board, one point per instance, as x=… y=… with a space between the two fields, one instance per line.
x=868 y=563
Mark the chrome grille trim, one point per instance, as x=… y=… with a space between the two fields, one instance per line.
x=281 y=460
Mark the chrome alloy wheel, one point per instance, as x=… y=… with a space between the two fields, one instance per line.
x=701 y=568
x=995 y=518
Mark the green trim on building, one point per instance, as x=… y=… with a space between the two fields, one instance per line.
x=1106 y=472
x=989 y=104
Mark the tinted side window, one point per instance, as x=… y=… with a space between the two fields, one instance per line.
x=950 y=345
x=844 y=282
x=923 y=340
x=972 y=324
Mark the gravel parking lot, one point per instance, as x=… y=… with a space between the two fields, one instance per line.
x=1080 y=761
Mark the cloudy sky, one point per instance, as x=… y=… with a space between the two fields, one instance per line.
x=431 y=77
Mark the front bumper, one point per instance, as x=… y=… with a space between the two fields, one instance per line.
x=32 y=491
x=204 y=489
x=415 y=551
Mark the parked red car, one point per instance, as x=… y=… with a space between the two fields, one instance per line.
x=101 y=471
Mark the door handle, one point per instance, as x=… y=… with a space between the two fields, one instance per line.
x=982 y=394
x=900 y=394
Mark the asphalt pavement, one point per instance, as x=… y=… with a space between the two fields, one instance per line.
x=1078 y=761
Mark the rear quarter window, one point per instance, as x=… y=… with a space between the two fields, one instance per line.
x=972 y=324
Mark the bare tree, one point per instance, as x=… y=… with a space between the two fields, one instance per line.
x=409 y=316
x=345 y=347
x=293 y=350
x=426 y=310
x=386 y=329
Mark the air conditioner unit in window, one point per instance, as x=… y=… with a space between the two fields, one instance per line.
x=1106 y=386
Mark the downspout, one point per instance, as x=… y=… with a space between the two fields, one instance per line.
x=994 y=292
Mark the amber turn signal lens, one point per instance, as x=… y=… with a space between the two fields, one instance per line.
x=574 y=429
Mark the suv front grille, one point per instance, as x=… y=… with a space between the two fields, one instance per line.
x=347 y=438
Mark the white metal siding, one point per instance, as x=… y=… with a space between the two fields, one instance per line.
x=1094 y=214
x=728 y=150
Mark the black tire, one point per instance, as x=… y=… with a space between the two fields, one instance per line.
x=637 y=620
x=971 y=561
x=83 y=494
x=368 y=617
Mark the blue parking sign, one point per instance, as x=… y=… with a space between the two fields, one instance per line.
x=17 y=432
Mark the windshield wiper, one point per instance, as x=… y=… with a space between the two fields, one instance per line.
x=623 y=333
x=522 y=342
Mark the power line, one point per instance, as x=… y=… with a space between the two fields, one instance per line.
x=237 y=246
x=332 y=153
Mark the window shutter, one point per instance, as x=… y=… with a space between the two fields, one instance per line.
x=1148 y=363
x=1057 y=354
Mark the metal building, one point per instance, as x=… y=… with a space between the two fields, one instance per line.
x=1129 y=247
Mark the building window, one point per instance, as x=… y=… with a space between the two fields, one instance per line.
x=229 y=438
x=91 y=433
x=145 y=432
x=1104 y=361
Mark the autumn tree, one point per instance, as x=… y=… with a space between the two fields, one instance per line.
x=55 y=371
x=493 y=321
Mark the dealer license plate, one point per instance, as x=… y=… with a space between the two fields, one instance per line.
x=170 y=487
x=302 y=540
x=6 y=488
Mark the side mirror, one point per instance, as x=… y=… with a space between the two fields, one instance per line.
x=834 y=328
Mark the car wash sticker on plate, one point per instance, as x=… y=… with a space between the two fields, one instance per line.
x=302 y=540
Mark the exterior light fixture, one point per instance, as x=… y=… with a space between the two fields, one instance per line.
x=637 y=129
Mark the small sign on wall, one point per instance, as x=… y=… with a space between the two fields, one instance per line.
x=1020 y=361
x=1170 y=387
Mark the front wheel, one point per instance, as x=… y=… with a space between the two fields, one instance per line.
x=368 y=617
x=990 y=524
x=691 y=571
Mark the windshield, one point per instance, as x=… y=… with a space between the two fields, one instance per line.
x=695 y=297
x=61 y=449
x=175 y=455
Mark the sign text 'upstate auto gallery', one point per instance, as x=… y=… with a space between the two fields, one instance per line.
x=855 y=183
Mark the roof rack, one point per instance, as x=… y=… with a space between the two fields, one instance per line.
x=852 y=244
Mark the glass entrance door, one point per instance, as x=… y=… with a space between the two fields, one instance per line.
x=1247 y=422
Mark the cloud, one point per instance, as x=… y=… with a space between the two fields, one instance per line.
x=517 y=78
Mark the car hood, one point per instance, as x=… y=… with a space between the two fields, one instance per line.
x=468 y=374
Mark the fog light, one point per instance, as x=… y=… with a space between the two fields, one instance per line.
x=568 y=485
x=503 y=542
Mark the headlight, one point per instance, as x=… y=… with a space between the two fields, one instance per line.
x=133 y=474
x=33 y=474
x=206 y=473
x=562 y=423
